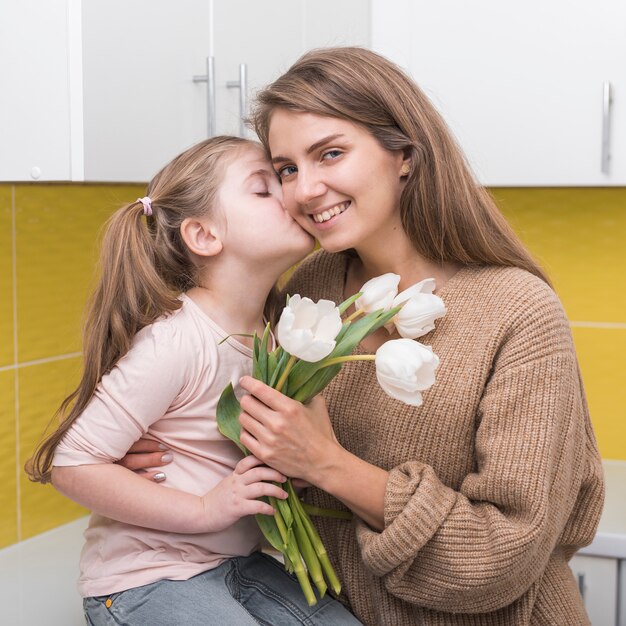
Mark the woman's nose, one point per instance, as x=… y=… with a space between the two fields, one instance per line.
x=308 y=187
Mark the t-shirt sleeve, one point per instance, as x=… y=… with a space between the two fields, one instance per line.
x=137 y=392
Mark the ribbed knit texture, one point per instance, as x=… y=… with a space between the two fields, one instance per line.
x=495 y=481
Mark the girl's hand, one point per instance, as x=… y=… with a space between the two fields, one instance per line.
x=236 y=495
x=296 y=439
x=144 y=454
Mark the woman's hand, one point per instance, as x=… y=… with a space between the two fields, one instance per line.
x=236 y=495
x=296 y=439
x=299 y=441
x=145 y=453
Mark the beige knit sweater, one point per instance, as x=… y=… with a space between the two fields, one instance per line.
x=495 y=481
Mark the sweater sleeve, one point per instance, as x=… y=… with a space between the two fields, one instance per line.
x=137 y=392
x=478 y=549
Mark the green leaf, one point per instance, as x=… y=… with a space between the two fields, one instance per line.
x=270 y=531
x=228 y=411
x=272 y=363
x=263 y=356
x=345 y=305
x=316 y=383
x=280 y=367
x=256 y=372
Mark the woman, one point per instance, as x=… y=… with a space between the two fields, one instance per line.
x=468 y=508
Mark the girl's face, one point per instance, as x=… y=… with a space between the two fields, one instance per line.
x=338 y=182
x=257 y=228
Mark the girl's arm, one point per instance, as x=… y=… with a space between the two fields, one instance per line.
x=120 y=494
x=298 y=440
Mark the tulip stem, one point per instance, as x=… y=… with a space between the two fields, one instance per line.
x=283 y=376
x=354 y=315
x=343 y=359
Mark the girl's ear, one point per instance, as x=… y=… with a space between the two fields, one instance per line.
x=201 y=237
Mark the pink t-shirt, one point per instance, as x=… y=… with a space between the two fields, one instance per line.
x=166 y=387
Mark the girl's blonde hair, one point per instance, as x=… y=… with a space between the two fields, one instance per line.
x=447 y=215
x=144 y=267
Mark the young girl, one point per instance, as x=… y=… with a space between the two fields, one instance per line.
x=182 y=269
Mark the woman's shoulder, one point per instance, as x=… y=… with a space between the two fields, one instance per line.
x=508 y=288
x=512 y=304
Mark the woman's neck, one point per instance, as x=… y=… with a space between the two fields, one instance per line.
x=402 y=259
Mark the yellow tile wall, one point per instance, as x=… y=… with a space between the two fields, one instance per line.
x=47 y=242
x=578 y=235
x=48 y=250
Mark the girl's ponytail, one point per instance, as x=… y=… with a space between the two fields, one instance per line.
x=144 y=267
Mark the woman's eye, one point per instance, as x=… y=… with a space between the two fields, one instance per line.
x=286 y=171
x=331 y=154
x=263 y=194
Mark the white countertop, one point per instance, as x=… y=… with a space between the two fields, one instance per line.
x=610 y=539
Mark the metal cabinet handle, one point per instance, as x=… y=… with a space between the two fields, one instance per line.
x=607 y=100
x=242 y=85
x=581 y=586
x=209 y=79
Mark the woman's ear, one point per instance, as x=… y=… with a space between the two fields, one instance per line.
x=407 y=162
x=201 y=237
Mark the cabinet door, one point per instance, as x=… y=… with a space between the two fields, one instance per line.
x=598 y=582
x=35 y=102
x=520 y=85
x=266 y=36
x=141 y=106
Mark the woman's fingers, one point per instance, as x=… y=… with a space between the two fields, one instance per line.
x=257 y=409
x=145 y=460
x=268 y=396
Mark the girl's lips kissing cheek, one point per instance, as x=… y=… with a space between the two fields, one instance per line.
x=328 y=216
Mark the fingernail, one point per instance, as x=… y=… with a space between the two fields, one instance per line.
x=166 y=458
x=162 y=446
x=159 y=477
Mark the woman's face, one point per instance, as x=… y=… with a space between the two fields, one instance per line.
x=338 y=182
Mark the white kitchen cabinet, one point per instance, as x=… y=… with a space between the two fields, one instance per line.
x=35 y=80
x=140 y=104
x=105 y=91
x=521 y=85
x=598 y=583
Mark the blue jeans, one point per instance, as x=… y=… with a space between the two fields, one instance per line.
x=240 y=592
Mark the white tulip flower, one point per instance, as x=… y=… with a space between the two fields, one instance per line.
x=378 y=293
x=308 y=329
x=420 y=309
x=405 y=368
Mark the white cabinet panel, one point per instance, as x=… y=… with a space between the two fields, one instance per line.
x=141 y=106
x=598 y=582
x=35 y=102
x=265 y=35
x=521 y=87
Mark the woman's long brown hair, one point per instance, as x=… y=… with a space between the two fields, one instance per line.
x=447 y=215
x=144 y=267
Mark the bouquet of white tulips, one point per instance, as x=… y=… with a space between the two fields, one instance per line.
x=314 y=341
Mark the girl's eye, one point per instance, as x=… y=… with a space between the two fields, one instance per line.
x=286 y=171
x=263 y=194
x=331 y=154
